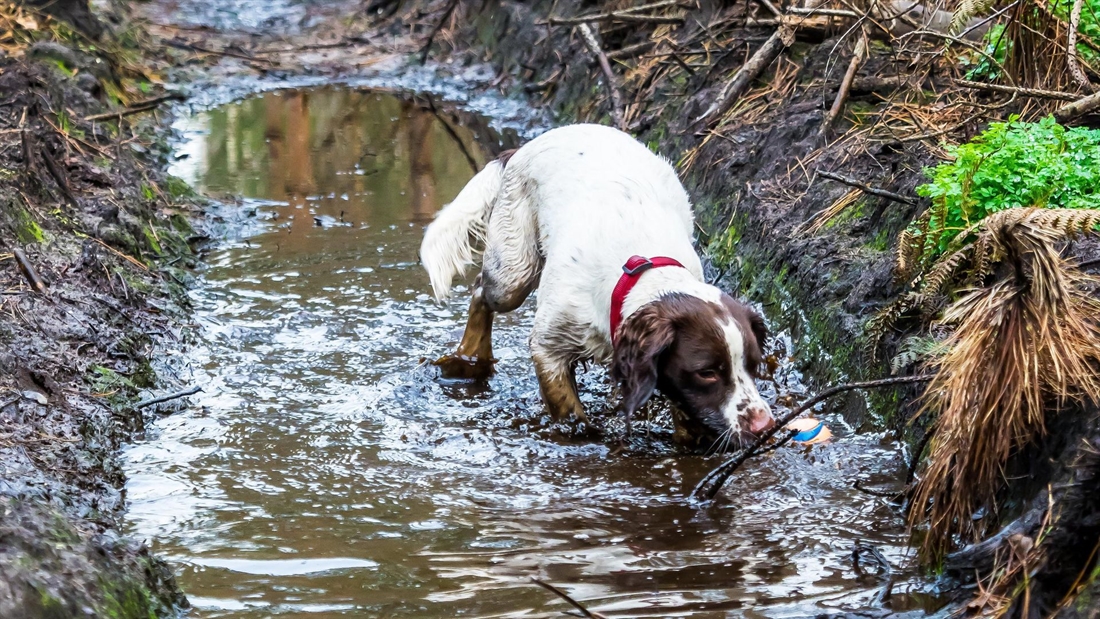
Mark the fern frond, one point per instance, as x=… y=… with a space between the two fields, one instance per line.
x=967 y=10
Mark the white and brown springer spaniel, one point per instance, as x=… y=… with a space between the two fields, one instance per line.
x=603 y=227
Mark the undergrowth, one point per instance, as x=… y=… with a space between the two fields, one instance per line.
x=1011 y=165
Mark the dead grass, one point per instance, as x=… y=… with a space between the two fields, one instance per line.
x=1022 y=347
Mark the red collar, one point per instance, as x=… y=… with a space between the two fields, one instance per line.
x=632 y=272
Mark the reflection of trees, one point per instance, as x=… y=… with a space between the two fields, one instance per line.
x=298 y=163
x=288 y=146
x=418 y=135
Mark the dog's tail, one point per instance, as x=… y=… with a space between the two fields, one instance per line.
x=452 y=241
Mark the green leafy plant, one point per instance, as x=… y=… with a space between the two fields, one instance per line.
x=1012 y=164
x=986 y=66
x=1089 y=26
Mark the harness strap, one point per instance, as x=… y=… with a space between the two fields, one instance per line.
x=632 y=272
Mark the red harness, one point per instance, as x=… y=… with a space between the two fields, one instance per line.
x=632 y=272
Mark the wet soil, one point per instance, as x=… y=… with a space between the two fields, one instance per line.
x=327 y=470
x=106 y=232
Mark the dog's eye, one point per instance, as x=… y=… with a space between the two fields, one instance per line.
x=707 y=375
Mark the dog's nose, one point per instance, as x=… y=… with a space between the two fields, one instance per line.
x=760 y=420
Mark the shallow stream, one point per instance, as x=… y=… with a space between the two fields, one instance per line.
x=326 y=471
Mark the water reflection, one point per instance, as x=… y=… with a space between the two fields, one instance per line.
x=326 y=472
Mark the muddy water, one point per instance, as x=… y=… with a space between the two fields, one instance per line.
x=326 y=472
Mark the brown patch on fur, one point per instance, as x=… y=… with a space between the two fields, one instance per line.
x=677 y=345
x=559 y=391
x=504 y=156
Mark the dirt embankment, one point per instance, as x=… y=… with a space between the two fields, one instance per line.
x=94 y=247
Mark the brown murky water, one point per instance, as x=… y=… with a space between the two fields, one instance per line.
x=326 y=472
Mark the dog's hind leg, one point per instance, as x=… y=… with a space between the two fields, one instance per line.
x=509 y=272
x=474 y=357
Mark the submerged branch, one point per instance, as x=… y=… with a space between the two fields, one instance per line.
x=709 y=486
x=565 y=596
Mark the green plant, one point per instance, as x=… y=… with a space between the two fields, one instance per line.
x=987 y=65
x=1089 y=25
x=1012 y=164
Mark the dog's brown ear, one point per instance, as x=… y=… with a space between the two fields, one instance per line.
x=754 y=355
x=759 y=329
x=643 y=337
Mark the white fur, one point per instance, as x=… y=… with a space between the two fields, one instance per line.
x=451 y=241
x=744 y=395
x=573 y=205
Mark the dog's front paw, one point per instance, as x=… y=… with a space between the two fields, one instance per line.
x=461 y=367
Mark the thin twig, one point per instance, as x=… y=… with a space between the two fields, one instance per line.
x=565 y=596
x=136 y=108
x=846 y=84
x=167 y=397
x=1034 y=93
x=815 y=12
x=28 y=270
x=589 y=37
x=713 y=481
x=191 y=47
x=1071 y=48
x=875 y=191
x=615 y=16
x=624 y=15
x=435 y=30
x=454 y=136
x=55 y=172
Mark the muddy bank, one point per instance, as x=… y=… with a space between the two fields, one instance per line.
x=94 y=251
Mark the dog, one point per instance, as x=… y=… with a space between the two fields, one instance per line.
x=603 y=228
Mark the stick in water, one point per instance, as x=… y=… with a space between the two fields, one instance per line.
x=565 y=596
x=709 y=486
x=167 y=397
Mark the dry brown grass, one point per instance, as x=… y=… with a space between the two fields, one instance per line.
x=1022 y=347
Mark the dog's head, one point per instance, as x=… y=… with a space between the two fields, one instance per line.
x=702 y=355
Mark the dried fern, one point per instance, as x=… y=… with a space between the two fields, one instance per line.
x=1020 y=344
x=967 y=10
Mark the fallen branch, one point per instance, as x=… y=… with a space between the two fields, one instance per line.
x=616 y=100
x=613 y=16
x=630 y=50
x=713 y=481
x=191 y=47
x=435 y=30
x=1071 y=48
x=29 y=271
x=845 y=85
x=136 y=108
x=731 y=93
x=170 y=396
x=1034 y=93
x=58 y=177
x=623 y=15
x=565 y=596
x=1080 y=107
x=875 y=191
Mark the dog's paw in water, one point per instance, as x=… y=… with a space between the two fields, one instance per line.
x=461 y=367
